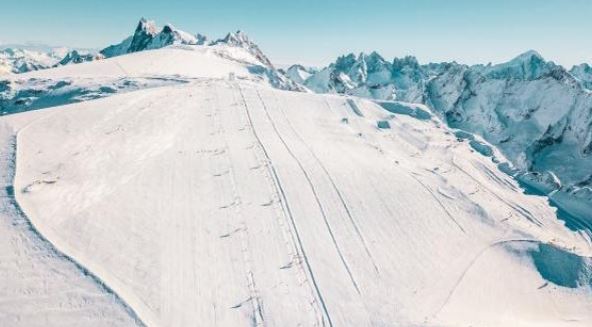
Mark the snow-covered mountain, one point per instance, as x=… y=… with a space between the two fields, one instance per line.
x=217 y=199
x=299 y=73
x=241 y=40
x=583 y=72
x=147 y=36
x=187 y=185
x=22 y=58
x=14 y=60
x=77 y=57
x=536 y=112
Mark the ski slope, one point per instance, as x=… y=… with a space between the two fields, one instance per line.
x=229 y=203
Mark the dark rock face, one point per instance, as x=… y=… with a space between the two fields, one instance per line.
x=146 y=36
x=143 y=35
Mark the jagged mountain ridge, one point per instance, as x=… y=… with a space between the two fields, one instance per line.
x=22 y=92
x=13 y=60
x=538 y=113
x=583 y=72
x=23 y=58
x=147 y=36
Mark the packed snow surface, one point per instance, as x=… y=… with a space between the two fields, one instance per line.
x=222 y=201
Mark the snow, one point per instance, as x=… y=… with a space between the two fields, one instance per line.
x=40 y=286
x=233 y=203
x=219 y=200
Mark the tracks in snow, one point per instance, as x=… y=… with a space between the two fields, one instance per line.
x=296 y=238
x=254 y=297
x=314 y=192
x=342 y=200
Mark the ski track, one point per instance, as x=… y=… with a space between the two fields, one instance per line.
x=296 y=235
x=342 y=201
x=525 y=213
x=295 y=259
x=315 y=194
x=472 y=263
x=254 y=298
x=439 y=202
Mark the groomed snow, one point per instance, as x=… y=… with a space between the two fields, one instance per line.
x=228 y=203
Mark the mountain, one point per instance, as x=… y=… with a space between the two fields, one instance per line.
x=193 y=192
x=22 y=58
x=147 y=36
x=583 y=73
x=76 y=57
x=535 y=111
x=14 y=60
x=299 y=73
x=241 y=40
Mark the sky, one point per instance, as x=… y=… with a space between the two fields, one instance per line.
x=315 y=32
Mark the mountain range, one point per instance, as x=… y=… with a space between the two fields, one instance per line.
x=536 y=112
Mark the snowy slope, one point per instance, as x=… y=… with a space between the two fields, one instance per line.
x=41 y=286
x=171 y=65
x=227 y=202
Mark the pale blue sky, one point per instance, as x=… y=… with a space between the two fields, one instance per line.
x=315 y=32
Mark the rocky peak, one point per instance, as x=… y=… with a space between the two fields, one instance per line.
x=201 y=39
x=527 y=66
x=583 y=73
x=143 y=35
x=407 y=61
x=146 y=36
x=75 y=57
x=241 y=40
